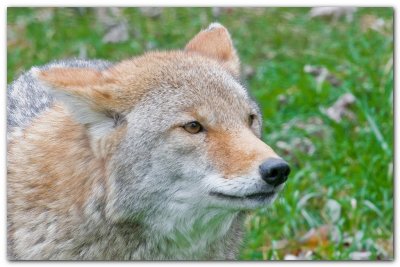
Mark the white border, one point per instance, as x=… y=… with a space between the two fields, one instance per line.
x=3 y=56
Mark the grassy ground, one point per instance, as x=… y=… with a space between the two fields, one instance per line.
x=338 y=203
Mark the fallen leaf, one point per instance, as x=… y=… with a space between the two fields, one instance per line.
x=322 y=74
x=305 y=198
x=353 y=203
x=151 y=12
x=313 y=125
x=371 y=22
x=108 y=16
x=333 y=12
x=44 y=14
x=150 y=45
x=280 y=244
x=116 y=34
x=217 y=11
x=304 y=145
x=385 y=247
x=316 y=237
x=114 y=23
x=303 y=255
x=248 y=71
x=290 y=257
x=341 y=108
x=333 y=210
x=282 y=99
x=335 y=235
x=15 y=35
x=360 y=255
x=82 y=51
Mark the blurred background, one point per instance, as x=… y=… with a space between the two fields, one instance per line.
x=324 y=80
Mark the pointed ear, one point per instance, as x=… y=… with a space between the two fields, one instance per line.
x=78 y=84
x=215 y=42
x=88 y=94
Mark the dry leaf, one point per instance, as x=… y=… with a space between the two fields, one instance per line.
x=82 y=51
x=341 y=108
x=44 y=14
x=248 y=71
x=303 y=255
x=290 y=257
x=108 y=16
x=314 y=126
x=116 y=26
x=280 y=244
x=322 y=74
x=333 y=12
x=294 y=146
x=116 y=34
x=371 y=22
x=217 y=11
x=316 y=237
x=151 y=12
x=282 y=99
x=385 y=247
x=353 y=203
x=333 y=210
x=302 y=144
x=360 y=255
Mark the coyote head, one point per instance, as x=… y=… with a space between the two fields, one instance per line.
x=177 y=130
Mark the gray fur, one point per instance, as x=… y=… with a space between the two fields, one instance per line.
x=26 y=97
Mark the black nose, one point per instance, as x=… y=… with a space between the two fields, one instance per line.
x=274 y=171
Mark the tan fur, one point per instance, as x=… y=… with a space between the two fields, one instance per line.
x=216 y=43
x=65 y=141
x=72 y=77
x=105 y=147
x=122 y=86
x=235 y=153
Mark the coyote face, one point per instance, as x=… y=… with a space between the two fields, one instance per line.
x=197 y=145
x=193 y=141
x=168 y=140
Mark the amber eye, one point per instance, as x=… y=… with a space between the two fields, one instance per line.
x=252 y=117
x=193 y=127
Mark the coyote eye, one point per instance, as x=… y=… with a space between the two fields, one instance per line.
x=251 y=119
x=193 y=127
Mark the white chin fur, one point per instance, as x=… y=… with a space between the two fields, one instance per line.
x=238 y=193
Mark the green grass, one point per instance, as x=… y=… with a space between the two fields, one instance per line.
x=353 y=160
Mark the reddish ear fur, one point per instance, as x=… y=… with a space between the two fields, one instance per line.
x=215 y=42
x=87 y=84
x=70 y=77
x=91 y=98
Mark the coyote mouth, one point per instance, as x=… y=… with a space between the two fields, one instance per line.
x=256 y=196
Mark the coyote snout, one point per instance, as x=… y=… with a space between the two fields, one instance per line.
x=155 y=157
x=249 y=172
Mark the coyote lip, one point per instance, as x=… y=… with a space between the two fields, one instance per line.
x=256 y=196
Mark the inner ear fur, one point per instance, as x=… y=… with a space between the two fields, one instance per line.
x=90 y=97
x=215 y=42
x=88 y=85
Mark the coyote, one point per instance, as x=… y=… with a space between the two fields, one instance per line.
x=157 y=157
